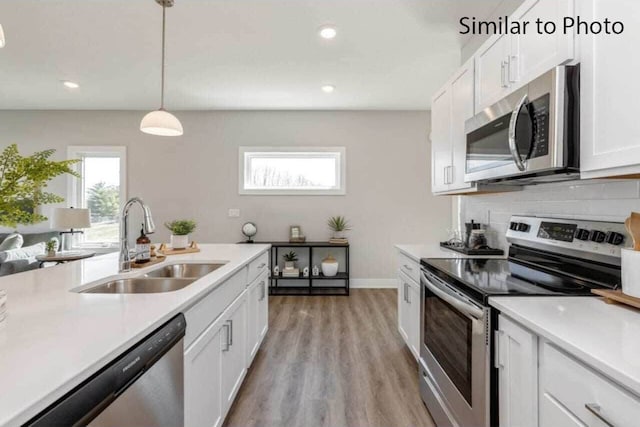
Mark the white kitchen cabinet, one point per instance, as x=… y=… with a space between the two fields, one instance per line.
x=258 y=314
x=234 y=351
x=491 y=67
x=203 y=378
x=409 y=313
x=609 y=125
x=517 y=363
x=450 y=108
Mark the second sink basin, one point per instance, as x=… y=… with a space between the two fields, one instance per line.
x=140 y=285
x=193 y=271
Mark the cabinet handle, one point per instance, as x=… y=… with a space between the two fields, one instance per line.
x=444 y=176
x=513 y=63
x=408 y=267
x=263 y=265
x=503 y=69
x=226 y=341
x=451 y=174
x=230 y=336
x=262 y=291
x=496 y=359
x=408 y=299
x=594 y=408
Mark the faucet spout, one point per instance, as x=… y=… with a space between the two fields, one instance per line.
x=148 y=224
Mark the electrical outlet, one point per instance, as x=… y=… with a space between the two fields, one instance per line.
x=234 y=213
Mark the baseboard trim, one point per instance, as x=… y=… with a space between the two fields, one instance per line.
x=373 y=283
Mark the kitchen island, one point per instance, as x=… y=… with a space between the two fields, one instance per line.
x=55 y=337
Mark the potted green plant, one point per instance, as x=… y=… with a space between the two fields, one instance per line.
x=180 y=230
x=339 y=224
x=22 y=183
x=290 y=259
x=51 y=247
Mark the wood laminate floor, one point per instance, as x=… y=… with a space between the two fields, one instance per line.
x=332 y=361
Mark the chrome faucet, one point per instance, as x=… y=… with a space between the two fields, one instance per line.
x=149 y=227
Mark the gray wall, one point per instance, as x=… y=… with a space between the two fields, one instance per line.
x=388 y=183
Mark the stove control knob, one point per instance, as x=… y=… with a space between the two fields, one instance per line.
x=597 y=236
x=513 y=226
x=614 y=238
x=523 y=227
x=582 y=234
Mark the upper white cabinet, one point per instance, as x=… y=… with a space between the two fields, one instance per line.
x=610 y=129
x=517 y=363
x=506 y=62
x=450 y=108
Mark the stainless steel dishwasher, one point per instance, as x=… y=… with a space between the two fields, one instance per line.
x=141 y=388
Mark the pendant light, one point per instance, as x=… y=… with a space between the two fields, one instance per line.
x=161 y=122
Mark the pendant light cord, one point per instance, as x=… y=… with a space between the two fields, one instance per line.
x=164 y=9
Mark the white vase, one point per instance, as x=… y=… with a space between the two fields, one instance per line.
x=630 y=272
x=179 y=242
x=330 y=268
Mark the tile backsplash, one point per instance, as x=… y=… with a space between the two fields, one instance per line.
x=593 y=199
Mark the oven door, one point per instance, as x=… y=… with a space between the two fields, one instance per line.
x=455 y=354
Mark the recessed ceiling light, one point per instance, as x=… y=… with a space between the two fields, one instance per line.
x=328 y=32
x=328 y=88
x=70 y=84
x=2 y=40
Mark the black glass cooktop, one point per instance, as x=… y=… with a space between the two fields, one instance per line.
x=481 y=278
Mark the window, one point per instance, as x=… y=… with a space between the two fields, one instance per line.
x=292 y=170
x=101 y=188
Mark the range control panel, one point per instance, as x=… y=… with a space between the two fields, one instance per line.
x=600 y=237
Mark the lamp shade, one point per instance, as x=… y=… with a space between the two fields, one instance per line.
x=161 y=123
x=69 y=218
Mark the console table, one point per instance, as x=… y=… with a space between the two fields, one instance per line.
x=312 y=285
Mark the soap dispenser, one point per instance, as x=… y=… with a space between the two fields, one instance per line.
x=143 y=248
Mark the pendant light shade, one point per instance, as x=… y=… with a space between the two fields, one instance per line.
x=161 y=122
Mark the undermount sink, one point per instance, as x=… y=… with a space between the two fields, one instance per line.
x=164 y=279
x=184 y=270
x=140 y=285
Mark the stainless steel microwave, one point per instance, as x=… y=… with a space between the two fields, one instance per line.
x=530 y=136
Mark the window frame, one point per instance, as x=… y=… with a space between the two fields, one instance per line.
x=75 y=185
x=341 y=176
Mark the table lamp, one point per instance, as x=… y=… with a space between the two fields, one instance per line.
x=71 y=219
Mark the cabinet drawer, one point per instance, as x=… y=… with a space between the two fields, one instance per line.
x=258 y=266
x=205 y=311
x=409 y=267
x=570 y=384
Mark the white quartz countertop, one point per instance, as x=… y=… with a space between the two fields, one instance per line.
x=53 y=338
x=604 y=336
x=434 y=250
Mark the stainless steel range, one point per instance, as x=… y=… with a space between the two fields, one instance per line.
x=547 y=256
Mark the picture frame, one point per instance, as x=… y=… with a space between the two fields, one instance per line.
x=295 y=234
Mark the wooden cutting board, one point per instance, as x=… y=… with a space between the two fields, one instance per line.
x=613 y=297
x=166 y=250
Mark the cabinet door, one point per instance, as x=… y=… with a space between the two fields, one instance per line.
x=413 y=297
x=462 y=96
x=533 y=54
x=234 y=351
x=263 y=309
x=403 y=307
x=203 y=379
x=258 y=315
x=610 y=129
x=441 y=140
x=553 y=413
x=517 y=363
x=491 y=71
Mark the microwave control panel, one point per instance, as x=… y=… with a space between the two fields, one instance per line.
x=539 y=109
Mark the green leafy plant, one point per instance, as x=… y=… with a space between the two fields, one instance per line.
x=181 y=227
x=51 y=245
x=338 y=224
x=22 y=180
x=290 y=257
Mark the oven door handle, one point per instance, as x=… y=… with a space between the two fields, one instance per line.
x=513 y=147
x=454 y=300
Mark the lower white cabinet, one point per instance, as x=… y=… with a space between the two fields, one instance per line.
x=234 y=351
x=516 y=358
x=409 y=313
x=258 y=313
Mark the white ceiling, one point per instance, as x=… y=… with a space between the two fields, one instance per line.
x=230 y=54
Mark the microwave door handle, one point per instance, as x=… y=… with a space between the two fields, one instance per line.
x=466 y=308
x=512 y=133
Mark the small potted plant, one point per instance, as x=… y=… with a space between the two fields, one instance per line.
x=290 y=260
x=338 y=224
x=180 y=230
x=51 y=246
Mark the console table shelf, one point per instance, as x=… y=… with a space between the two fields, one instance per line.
x=313 y=285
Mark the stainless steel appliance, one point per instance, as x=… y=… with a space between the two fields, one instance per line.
x=546 y=257
x=530 y=136
x=142 y=387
